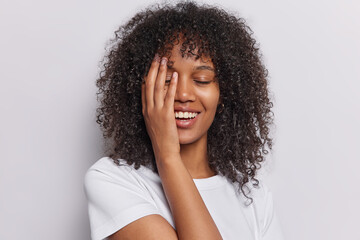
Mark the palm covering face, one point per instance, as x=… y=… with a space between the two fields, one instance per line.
x=158 y=109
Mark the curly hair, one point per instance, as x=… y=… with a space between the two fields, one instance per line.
x=240 y=132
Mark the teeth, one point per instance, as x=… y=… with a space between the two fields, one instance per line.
x=185 y=114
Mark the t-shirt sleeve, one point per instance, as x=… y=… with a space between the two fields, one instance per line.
x=114 y=201
x=269 y=225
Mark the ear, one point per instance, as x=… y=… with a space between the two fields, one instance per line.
x=220 y=100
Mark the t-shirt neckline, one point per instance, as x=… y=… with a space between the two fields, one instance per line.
x=209 y=183
x=201 y=183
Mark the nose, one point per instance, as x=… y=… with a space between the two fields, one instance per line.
x=184 y=89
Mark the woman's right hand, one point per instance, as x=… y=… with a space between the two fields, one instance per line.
x=158 y=110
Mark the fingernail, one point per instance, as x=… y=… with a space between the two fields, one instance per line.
x=157 y=58
x=175 y=75
x=163 y=61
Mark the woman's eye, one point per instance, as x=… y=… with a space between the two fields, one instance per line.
x=167 y=81
x=202 y=82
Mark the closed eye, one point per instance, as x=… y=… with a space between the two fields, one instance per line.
x=201 y=82
x=197 y=81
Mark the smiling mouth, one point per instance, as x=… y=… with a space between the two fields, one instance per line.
x=185 y=115
x=186 y=122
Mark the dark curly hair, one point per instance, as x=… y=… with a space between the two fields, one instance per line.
x=239 y=134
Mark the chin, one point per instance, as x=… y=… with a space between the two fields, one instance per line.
x=183 y=141
x=188 y=138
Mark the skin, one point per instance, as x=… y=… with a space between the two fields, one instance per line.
x=198 y=89
x=180 y=153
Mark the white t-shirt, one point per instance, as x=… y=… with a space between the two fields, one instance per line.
x=119 y=195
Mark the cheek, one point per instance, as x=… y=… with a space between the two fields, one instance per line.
x=210 y=98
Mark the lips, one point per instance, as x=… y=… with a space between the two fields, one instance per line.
x=186 y=123
x=185 y=109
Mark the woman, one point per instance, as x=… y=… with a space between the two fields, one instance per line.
x=185 y=110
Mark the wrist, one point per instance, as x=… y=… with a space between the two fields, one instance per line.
x=167 y=158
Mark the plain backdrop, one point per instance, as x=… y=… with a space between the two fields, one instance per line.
x=49 y=61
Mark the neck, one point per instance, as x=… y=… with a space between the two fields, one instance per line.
x=194 y=157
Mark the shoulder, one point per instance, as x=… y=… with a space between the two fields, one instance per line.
x=261 y=194
x=106 y=165
x=262 y=203
x=105 y=169
x=116 y=197
x=105 y=177
x=264 y=210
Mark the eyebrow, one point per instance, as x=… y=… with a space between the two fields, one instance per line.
x=202 y=67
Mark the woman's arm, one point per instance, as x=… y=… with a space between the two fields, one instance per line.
x=192 y=219
x=150 y=227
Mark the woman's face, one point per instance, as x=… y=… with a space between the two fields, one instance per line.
x=197 y=91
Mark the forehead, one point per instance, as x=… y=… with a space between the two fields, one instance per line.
x=185 y=45
x=180 y=55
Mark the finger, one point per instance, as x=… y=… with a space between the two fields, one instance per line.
x=150 y=81
x=160 y=83
x=170 y=95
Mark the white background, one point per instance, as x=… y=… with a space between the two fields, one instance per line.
x=49 y=61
